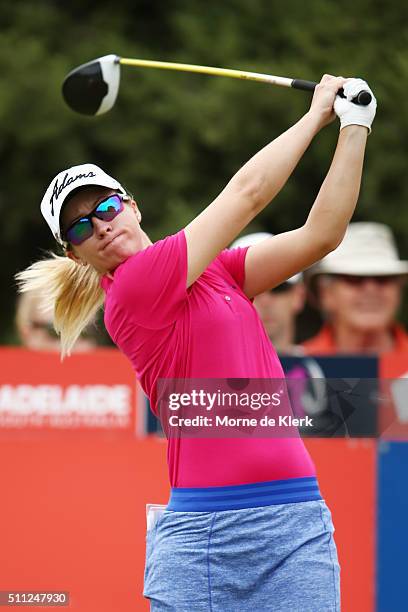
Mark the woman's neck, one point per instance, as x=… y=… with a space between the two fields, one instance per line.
x=145 y=240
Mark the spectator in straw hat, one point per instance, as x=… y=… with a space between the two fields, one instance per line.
x=358 y=287
x=279 y=307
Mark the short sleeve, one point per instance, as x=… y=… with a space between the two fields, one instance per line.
x=150 y=286
x=233 y=261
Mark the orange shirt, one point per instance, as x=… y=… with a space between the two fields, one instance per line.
x=323 y=342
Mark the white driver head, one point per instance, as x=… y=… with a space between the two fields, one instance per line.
x=92 y=89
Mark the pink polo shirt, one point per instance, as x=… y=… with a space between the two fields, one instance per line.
x=210 y=330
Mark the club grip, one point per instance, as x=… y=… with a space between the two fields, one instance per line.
x=363 y=97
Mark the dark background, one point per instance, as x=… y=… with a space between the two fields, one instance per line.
x=174 y=140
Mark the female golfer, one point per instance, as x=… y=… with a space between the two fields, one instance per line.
x=246 y=527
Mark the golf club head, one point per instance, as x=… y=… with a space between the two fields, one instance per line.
x=92 y=88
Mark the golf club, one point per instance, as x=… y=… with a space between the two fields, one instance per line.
x=92 y=88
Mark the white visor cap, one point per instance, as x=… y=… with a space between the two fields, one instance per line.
x=252 y=239
x=67 y=181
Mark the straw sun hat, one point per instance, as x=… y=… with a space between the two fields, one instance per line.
x=368 y=249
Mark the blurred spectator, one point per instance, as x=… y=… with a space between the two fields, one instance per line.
x=36 y=330
x=279 y=307
x=358 y=288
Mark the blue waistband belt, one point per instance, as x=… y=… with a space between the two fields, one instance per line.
x=212 y=499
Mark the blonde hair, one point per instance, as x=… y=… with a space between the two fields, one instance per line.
x=70 y=291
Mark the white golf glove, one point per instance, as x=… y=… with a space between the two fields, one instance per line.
x=355 y=114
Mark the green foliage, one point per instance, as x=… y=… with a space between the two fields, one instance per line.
x=174 y=139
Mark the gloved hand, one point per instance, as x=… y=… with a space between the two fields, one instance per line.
x=355 y=114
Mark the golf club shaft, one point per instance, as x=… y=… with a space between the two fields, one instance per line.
x=225 y=72
x=362 y=98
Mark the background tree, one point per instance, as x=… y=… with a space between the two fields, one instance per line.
x=173 y=139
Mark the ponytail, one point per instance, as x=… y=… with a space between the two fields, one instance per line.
x=72 y=292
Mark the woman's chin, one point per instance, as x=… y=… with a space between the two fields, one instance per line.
x=118 y=257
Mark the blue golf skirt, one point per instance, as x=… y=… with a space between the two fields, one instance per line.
x=280 y=556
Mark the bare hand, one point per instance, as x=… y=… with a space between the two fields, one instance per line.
x=324 y=96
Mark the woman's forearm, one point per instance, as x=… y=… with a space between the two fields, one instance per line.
x=338 y=195
x=265 y=173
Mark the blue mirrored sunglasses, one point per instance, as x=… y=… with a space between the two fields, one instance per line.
x=106 y=210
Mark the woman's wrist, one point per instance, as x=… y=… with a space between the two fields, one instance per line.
x=315 y=120
x=354 y=128
x=354 y=136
